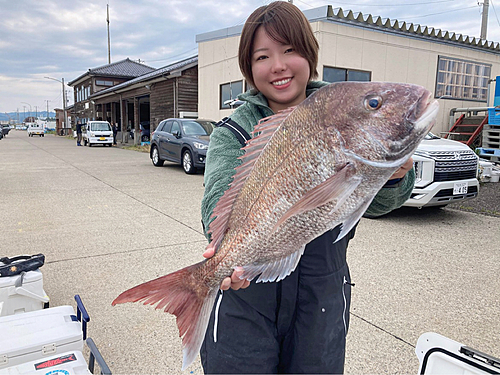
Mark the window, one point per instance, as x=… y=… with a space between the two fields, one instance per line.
x=103 y=83
x=228 y=92
x=339 y=75
x=176 y=129
x=462 y=79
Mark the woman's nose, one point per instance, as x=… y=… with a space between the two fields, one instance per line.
x=279 y=65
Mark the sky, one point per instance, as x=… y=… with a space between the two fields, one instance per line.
x=63 y=39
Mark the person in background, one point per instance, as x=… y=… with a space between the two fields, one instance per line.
x=78 y=133
x=297 y=325
x=115 y=131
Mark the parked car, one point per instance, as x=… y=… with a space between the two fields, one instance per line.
x=145 y=131
x=183 y=141
x=97 y=132
x=35 y=129
x=446 y=172
x=5 y=129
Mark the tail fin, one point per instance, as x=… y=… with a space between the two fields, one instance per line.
x=182 y=295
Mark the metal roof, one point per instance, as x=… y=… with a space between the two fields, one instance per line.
x=357 y=19
x=166 y=70
x=124 y=69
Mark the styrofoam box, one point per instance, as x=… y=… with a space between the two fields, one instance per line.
x=26 y=296
x=39 y=334
x=68 y=363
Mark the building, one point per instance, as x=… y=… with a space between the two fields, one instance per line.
x=170 y=91
x=457 y=68
x=98 y=79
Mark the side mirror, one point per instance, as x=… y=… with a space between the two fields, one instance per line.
x=177 y=134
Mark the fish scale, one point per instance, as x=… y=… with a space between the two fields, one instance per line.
x=307 y=170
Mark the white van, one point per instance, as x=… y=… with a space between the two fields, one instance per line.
x=97 y=132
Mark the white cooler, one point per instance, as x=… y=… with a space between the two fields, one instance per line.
x=68 y=363
x=22 y=293
x=38 y=335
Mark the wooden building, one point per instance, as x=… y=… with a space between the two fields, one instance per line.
x=171 y=91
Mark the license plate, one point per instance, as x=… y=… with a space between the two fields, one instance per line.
x=103 y=139
x=460 y=188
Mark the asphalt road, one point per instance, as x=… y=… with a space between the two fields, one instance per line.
x=107 y=219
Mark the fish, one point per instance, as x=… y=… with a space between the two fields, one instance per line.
x=306 y=170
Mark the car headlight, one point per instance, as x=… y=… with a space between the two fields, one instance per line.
x=200 y=146
x=91 y=134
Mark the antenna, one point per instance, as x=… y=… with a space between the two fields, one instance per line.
x=109 y=42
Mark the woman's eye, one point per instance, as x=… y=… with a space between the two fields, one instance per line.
x=289 y=50
x=373 y=102
x=261 y=58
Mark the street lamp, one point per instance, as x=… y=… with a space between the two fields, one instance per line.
x=63 y=98
x=30 y=108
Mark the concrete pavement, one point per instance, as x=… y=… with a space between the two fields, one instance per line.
x=107 y=219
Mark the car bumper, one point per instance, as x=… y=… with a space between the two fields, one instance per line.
x=441 y=193
x=107 y=139
x=199 y=158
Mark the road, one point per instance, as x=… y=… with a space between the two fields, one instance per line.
x=107 y=219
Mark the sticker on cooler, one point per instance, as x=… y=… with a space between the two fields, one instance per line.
x=460 y=188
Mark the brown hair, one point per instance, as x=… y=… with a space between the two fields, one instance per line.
x=284 y=23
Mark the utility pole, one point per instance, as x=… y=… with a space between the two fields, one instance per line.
x=484 y=19
x=109 y=43
x=47 y=118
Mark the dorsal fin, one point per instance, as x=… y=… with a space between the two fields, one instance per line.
x=262 y=132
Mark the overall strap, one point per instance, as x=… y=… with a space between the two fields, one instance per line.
x=240 y=133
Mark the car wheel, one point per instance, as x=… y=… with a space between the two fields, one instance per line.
x=187 y=162
x=85 y=142
x=90 y=144
x=155 y=157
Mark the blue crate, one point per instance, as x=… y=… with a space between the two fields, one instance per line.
x=494 y=116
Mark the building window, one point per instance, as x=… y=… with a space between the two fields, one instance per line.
x=229 y=91
x=462 y=79
x=340 y=75
x=103 y=83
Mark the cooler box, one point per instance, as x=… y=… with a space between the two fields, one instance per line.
x=68 y=363
x=22 y=293
x=440 y=355
x=39 y=335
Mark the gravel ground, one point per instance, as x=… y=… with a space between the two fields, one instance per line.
x=487 y=201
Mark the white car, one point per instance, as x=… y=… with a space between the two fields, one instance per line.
x=446 y=172
x=35 y=129
x=97 y=132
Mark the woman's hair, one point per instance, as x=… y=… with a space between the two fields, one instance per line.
x=284 y=23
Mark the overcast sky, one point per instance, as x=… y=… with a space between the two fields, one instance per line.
x=63 y=39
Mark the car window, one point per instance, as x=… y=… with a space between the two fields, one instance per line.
x=100 y=126
x=167 y=126
x=197 y=127
x=175 y=128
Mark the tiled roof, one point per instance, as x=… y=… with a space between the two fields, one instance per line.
x=123 y=69
x=151 y=75
x=401 y=27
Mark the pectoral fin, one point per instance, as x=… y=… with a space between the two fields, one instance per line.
x=336 y=188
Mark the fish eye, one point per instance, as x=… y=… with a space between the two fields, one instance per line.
x=373 y=102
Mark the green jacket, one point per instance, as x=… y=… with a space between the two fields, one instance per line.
x=224 y=150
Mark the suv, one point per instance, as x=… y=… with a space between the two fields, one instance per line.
x=183 y=141
x=445 y=172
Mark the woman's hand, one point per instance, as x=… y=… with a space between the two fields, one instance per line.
x=401 y=172
x=234 y=281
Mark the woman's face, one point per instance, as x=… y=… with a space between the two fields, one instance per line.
x=279 y=72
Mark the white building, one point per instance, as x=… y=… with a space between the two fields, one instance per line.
x=354 y=46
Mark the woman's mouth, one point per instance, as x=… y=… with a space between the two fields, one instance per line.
x=281 y=82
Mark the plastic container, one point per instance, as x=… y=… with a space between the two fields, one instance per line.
x=440 y=355
x=39 y=335
x=495 y=176
x=68 y=363
x=22 y=293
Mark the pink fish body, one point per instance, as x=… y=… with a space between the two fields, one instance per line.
x=309 y=169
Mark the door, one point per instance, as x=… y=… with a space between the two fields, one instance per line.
x=174 y=142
